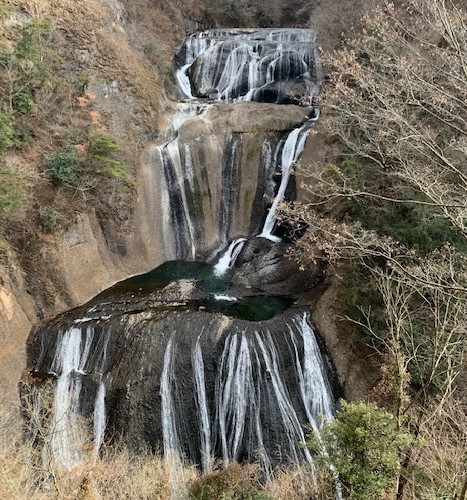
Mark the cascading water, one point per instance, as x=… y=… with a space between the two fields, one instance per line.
x=174 y=365
x=253 y=65
x=214 y=388
x=77 y=355
x=228 y=259
x=293 y=148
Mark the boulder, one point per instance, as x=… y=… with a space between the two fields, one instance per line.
x=266 y=267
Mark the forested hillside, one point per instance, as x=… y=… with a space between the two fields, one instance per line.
x=388 y=209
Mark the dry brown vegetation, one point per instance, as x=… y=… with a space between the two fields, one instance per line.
x=118 y=473
x=97 y=81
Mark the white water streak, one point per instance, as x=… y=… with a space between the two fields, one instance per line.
x=183 y=80
x=227 y=260
x=293 y=148
x=225 y=298
x=314 y=388
x=69 y=362
x=235 y=394
x=169 y=427
x=99 y=417
x=189 y=172
x=239 y=387
x=202 y=405
x=290 y=421
x=172 y=149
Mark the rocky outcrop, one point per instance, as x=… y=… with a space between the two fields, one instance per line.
x=176 y=377
x=265 y=267
x=17 y=315
x=355 y=363
x=83 y=260
x=215 y=153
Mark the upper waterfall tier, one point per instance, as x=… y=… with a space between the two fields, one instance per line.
x=265 y=65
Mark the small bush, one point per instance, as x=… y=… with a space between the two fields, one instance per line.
x=49 y=218
x=236 y=482
x=63 y=165
x=102 y=152
x=23 y=101
x=12 y=190
x=364 y=446
x=102 y=146
x=7 y=130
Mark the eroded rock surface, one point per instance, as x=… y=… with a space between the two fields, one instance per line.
x=176 y=377
x=265 y=266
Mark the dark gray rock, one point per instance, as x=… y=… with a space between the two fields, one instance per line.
x=266 y=267
x=177 y=378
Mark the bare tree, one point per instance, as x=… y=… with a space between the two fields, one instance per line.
x=399 y=99
x=396 y=106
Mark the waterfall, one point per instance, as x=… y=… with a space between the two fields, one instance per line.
x=230 y=65
x=169 y=425
x=67 y=364
x=236 y=390
x=202 y=405
x=227 y=260
x=99 y=417
x=254 y=411
x=238 y=65
x=293 y=148
x=180 y=217
x=179 y=227
x=160 y=370
x=67 y=431
x=314 y=386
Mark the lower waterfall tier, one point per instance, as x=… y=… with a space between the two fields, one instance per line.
x=150 y=369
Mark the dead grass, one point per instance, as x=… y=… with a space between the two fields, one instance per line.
x=299 y=483
x=120 y=474
x=93 y=50
x=440 y=463
x=117 y=474
x=13 y=468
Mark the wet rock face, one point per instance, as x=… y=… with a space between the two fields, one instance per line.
x=181 y=379
x=256 y=65
x=265 y=266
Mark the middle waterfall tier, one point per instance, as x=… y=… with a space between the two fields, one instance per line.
x=218 y=172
